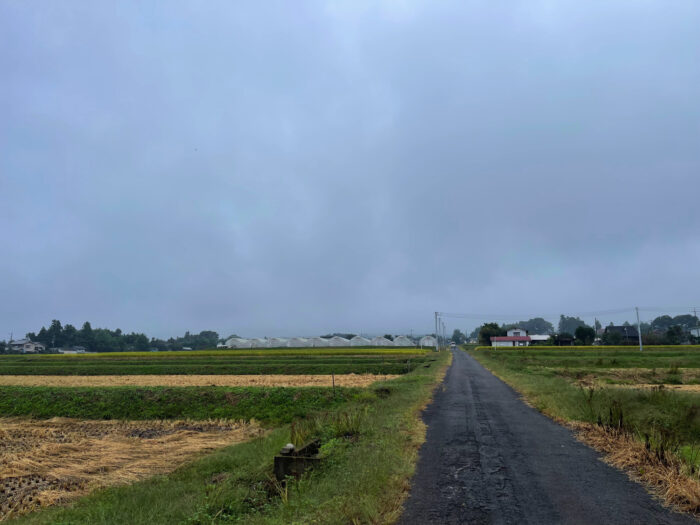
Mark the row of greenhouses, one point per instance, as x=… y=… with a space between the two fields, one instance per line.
x=323 y=342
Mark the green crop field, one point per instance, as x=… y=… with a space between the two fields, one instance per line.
x=308 y=361
x=369 y=438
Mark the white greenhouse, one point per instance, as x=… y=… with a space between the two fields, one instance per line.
x=237 y=342
x=402 y=340
x=277 y=342
x=298 y=342
x=260 y=343
x=359 y=341
x=427 y=341
x=338 y=341
x=381 y=341
x=318 y=342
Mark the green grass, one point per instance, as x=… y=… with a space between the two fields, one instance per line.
x=547 y=380
x=273 y=406
x=229 y=363
x=369 y=446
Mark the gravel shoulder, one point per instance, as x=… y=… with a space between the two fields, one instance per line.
x=490 y=458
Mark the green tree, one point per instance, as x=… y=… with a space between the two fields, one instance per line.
x=585 y=335
x=458 y=337
x=611 y=337
x=55 y=333
x=569 y=324
x=675 y=335
x=70 y=335
x=85 y=337
x=489 y=330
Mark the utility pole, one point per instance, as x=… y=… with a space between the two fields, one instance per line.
x=437 y=347
x=639 y=329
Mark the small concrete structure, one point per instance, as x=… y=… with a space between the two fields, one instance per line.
x=294 y=462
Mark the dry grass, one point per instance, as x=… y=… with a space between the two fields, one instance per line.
x=667 y=478
x=348 y=380
x=665 y=386
x=47 y=462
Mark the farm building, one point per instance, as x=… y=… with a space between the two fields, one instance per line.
x=359 y=341
x=402 y=340
x=237 y=342
x=515 y=337
x=278 y=342
x=427 y=340
x=381 y=341
x=260 y=343
x=298 y=342
x=317 y=342
x=338 y=341
x=628 y=334
x=26 y=346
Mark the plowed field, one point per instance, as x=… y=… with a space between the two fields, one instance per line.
x=345 y=380
x=54 y=461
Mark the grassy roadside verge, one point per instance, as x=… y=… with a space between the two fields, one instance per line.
x=652 y=434
x=370 y=445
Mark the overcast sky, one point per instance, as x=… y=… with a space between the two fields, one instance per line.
x=295 y=168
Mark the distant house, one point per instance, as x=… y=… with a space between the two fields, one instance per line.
x=514 y=337
x=628 y=334
x=26 y=346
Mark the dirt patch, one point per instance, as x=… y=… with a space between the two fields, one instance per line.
x=48 y=462
x=350 y=380
x=667 y=477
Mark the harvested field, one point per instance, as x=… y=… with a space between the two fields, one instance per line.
x=48 y=462
x=344 y=380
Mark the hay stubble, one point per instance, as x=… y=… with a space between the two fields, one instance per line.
x=54 y=461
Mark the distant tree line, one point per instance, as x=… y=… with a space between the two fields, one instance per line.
x=663 y=330
x=106 y=340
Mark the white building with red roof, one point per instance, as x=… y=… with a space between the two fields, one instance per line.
x=515 y=337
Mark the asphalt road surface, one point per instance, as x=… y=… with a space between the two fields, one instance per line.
x=489 y=458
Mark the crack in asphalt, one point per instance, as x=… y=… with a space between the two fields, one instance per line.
x=490 y=458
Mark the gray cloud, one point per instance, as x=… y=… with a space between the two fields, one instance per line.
x=276 y=170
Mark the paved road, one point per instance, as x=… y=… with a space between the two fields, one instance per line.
x=489 y=458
